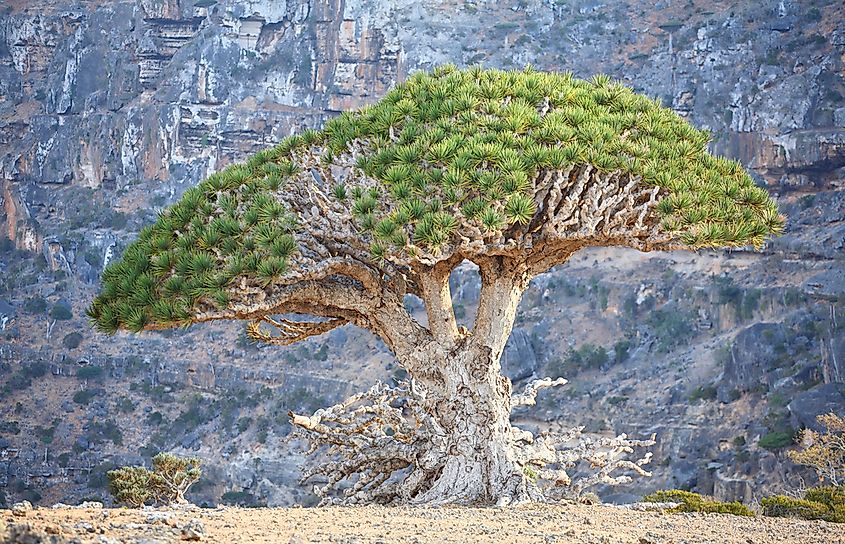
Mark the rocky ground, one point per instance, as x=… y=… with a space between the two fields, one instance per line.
x=360 y=525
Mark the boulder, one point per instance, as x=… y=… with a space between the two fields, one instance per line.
x=822 y=399
x=519 y=360
x=756 y=350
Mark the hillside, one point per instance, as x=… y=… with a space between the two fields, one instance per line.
x=109 y=110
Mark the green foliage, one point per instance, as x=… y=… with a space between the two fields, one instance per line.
x=777 y=439
x=35 y=305
x=10 y=427
x=167 y=482
x=693 y=502
x=621 y=350
x=671 y=326
x=61 y=312
x=240 y=498
x=703 y=392
x=132 y=485
x=586 y=357
x=24 y=376
x=825 y=503
x=72 y=340
x=452 y=151
x=84 y=396
x=89 y=372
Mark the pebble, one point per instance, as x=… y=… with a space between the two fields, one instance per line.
x=21 y=508
x=193 y=531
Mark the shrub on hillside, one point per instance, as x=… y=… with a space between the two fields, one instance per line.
x=133 y=486
x=61 y=312
x=825 y=503
x=166 y=483
x=84 y=396
x=777 y=439
x=693 y=502
x=89 y=372
x=35 y=305
x=72 y=340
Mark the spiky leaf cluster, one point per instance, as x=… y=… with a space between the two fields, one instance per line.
x=444 y=153
x=233 y=224
x=470 y=143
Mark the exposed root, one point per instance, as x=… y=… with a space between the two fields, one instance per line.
x=384 y=446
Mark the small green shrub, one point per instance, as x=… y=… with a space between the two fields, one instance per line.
x=826 y=503
x=72 y=340
x=89 y=372
x=621 y=350
x=133 y=486
x=166 y=483
x=693 y=502
x=239 y=498
x=84 y=396
x=61 y=312
x=830 y=496
x=777 y=439
x=35 y=305
x=703 y=392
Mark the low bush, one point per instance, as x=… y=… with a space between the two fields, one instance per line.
x=703 y=392
x=693 y=502
x=166 y=483
x=89 y=372
x=825 y=452
x=777 y=439
x=84 y=396
x=72 y=340
x=61 y=312
x=35 y=305
x=825 y=503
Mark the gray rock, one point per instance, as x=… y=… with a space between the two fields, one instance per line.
x=821 y=399
x=519 y=360
x=22 y=508
x=754 y=353
x=193 y=531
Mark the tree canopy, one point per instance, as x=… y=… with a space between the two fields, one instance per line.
x=448 y=165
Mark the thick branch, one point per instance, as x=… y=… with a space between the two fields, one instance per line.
x=290 y=332
x=503 y=280
x=438 y=304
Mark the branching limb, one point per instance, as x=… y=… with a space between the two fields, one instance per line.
x=529 y=395
x=385 y=446
x=562 y=454
x=381 y=447
x=290 y=332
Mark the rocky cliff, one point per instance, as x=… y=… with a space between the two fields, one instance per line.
x=109 y=110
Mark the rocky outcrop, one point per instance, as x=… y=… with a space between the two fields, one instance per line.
x=756 y=351
x=822 y=399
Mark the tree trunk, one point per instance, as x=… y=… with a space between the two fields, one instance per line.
x=445 y=436
x=474 y=404
x=473 y=410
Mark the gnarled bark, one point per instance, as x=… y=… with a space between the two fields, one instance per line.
x=446 y=437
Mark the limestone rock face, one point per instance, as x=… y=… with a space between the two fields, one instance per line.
x=755 y=352
x=823 y=399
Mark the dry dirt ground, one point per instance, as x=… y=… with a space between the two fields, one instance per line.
x=370 y=525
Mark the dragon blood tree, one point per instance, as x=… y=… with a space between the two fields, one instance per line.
x=513 y=171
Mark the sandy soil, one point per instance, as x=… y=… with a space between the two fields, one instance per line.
x=371 y=525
